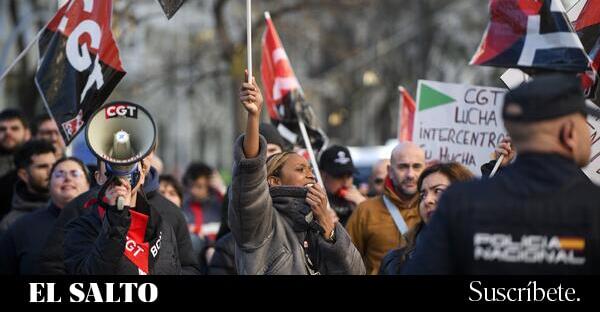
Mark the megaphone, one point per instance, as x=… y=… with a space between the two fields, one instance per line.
x=121 y=134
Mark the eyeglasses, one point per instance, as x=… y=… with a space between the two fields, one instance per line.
x=61 y=174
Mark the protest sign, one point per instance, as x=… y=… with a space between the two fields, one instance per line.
x=457 y=122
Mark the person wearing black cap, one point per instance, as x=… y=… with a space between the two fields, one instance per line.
x=538 y=215
x=337 y=170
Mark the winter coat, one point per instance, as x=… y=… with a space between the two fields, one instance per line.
x=343 y=208
x=22 y=244
x=7 y=190
x=223 y=259
x=263 y=224
x=52 y=258
x=394 y=260
x=95 y=242
x=7 y=163
x=23 y=202
x=373 y=230
x=539 y=215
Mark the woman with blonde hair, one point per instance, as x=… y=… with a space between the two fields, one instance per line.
x=278 y=213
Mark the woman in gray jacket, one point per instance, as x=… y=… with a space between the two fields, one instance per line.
x=270 y=210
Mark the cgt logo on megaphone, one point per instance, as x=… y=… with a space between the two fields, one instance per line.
x=121 y=110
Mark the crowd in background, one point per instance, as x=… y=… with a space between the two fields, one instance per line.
x=59 y=215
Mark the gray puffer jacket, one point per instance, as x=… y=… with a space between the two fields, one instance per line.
x=266 y=242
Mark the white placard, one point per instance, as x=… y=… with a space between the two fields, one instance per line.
x=457 y=122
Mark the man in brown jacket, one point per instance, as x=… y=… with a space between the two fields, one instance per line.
x=377 y=225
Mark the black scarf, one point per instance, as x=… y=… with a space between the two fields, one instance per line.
x=290 y=201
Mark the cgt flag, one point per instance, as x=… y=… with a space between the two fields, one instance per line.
x=283 y=93
x=407 y=116
x=531 y=34
x=79 y=63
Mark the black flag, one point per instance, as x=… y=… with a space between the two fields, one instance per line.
x=170 y=7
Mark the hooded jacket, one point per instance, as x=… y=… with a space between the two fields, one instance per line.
x=23 y=202
x=373 y=230
x=268 y=230
x=52 y=258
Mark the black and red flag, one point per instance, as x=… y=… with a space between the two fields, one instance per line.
x=283 y=93
x=531 y=34
x=79 y=63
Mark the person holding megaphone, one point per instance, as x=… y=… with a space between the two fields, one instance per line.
x=125 y=231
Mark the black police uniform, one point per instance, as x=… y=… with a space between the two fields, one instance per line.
x=540 y=215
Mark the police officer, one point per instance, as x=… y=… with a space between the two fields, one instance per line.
x=539 y=215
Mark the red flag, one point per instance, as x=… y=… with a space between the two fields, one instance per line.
x=407 y=116
x=277 y=74
x=79 y=63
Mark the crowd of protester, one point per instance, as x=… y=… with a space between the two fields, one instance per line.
x=58 y=214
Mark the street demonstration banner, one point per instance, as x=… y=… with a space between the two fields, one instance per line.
x=456 y=122
x=79 y=63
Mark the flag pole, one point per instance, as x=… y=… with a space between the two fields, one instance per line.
x=22 y=54
x=497 y=165
x=311 y=153
x=249 y=38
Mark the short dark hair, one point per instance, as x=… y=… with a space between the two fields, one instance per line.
x=169 y=179
x=195 y=171
x=84 y=168
x=38 y=121
x=12 y=113
x=29 y=149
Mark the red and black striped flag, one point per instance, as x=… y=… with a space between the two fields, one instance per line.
x=79 y=63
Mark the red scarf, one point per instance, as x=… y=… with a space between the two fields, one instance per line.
x=137 y=250
x=390 y=185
